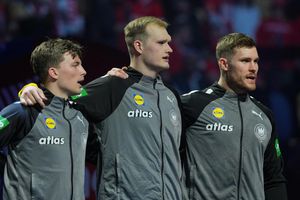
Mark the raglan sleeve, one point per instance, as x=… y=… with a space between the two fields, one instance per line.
x=12 y=120
x=189 y=109
x=274 y=180
x=189 y=114
x=95 y=99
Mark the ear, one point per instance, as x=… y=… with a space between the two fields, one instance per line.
x=138 y=46
x=53 y=73
x=223 y=64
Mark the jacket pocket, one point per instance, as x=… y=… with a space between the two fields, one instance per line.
x=118 y=176
x=191 y=186
x=49 y=186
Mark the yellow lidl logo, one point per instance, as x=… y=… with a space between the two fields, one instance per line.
x=218 y=112
x=3 y=122
x=50 y=123
x=139 y=100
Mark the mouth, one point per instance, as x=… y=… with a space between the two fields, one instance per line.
x=80 y=82
x=251 y=77
x=166 y=58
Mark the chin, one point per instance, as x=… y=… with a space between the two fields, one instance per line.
x=251 y=89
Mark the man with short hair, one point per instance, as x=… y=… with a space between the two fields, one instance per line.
x=232 y=150
x=46 y=146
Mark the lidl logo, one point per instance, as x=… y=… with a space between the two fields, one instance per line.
x=3 y=122
x=218 y=112
x=50 y=123
x=82 y=94
x=139 y=100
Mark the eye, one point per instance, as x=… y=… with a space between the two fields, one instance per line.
x=76 y=64
x=246 y=60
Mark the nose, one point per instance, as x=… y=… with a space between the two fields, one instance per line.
x=169 y=49
x=253 y=66
x=83 y=72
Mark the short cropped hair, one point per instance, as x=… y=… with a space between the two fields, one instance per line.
x=228 y=43
x=50 y=54
x=136 y=29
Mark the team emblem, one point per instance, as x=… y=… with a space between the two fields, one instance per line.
x=174 y=118
x=260 y=132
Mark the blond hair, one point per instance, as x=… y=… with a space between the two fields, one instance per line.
x=136 y=29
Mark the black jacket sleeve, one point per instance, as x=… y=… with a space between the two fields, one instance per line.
x=13 y=124
x=93 y=145
x=101 y=97
x=274 y=181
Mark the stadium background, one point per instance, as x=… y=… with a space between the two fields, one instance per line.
x=195 y=27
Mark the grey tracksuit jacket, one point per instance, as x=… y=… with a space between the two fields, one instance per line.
x=46 y=151
x=231 y=150
x=140 y=129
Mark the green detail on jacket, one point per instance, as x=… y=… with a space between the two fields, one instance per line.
x=3 y=122
x=82 y=94
x=278 y=152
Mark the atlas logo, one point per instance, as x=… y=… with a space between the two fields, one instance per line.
x=51 y=140
x=219 y=127
x=139 y=113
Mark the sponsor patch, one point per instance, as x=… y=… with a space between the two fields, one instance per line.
x=260 y=132
x=138 y=99
x=82 y=94
x=278 y=152
x=50 y=123
x=3 y=122
x=51 y=140
x=139 y=114
x=219 y=127
x=218 y=112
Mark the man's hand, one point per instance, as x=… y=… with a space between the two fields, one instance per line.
x=118 y=72
x=32 y=95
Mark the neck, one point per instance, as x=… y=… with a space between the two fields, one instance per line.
x=222 y=82
x=230 y=87
x=56 y=91
x=143 y=68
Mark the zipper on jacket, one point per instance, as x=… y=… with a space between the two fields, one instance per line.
x=162 y=143
x=71 y=149
x=241 y=150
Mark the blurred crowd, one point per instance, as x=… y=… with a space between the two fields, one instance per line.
x=195 y=26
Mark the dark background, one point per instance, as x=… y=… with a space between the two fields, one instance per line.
x=195 y=26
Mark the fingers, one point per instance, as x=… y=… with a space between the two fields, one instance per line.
x=118 y=73
x=40 y=97
x=32 y=95
x=124 y=67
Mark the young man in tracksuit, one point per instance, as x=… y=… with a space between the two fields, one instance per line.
x=139 y=121
x=46 y=146
x=232 y=149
